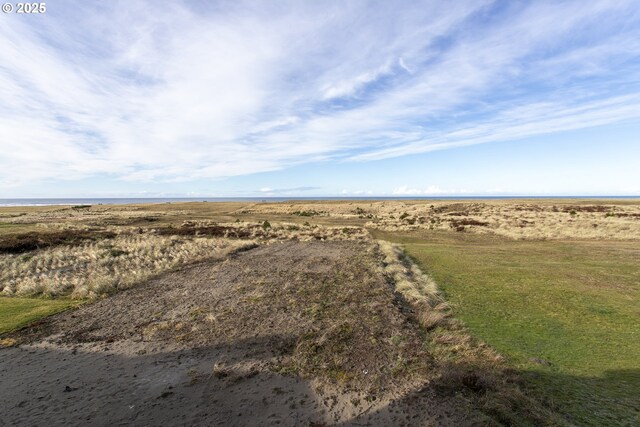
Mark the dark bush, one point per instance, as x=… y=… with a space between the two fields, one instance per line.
x=25 y=242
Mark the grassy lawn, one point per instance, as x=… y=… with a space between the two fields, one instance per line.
x=565 y=313
x=18 y=312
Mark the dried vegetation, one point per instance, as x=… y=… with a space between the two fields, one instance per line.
x=94 y=268
x=527 y=220
x=84 y=261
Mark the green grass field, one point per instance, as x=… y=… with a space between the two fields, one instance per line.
x=565 y=313
x=18 y=312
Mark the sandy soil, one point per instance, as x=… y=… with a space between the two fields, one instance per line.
x=227 y=343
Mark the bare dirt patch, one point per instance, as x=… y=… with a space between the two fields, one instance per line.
x=294 y=333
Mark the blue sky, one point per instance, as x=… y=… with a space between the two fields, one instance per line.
x=232 y=98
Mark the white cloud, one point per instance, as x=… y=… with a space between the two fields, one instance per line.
x=404 y=66
x=358 y=193
x=287 y=191
x=428 y=191
x=180 y=93
x=405 y=190
x=351 y=86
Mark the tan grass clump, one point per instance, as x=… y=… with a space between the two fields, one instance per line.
x=419 y=290
x=287 y=231
x=94 y=268
x=272 y=232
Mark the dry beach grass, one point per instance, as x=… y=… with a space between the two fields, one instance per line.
x=543 y=219
x=90 y=269
x=81 y=264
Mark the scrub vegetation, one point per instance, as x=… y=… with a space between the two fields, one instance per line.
x=91 y=269
x=548 y=219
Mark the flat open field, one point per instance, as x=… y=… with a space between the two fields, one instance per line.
x=295 y=312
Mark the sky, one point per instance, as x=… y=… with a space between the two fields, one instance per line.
x=320 y=98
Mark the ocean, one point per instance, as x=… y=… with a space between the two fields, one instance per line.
x=140 y=200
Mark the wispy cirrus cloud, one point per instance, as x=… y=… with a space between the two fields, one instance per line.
x=286 y=191
x=183 y=91
x=405 y=190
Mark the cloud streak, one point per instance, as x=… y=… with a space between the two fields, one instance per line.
x=186 y=91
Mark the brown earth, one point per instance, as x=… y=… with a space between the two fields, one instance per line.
x=25 y=242
x=295 y=333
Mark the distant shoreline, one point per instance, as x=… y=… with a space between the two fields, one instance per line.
x=17 y=202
